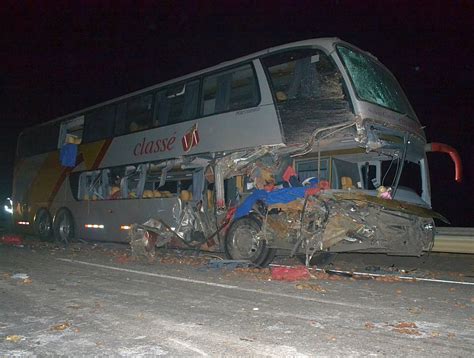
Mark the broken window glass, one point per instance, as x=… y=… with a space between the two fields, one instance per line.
x=94 y=185
x=308 y=91
x=373 y=83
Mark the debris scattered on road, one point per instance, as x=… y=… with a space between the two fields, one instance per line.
x=74 y=306
x=369 y=325
x=14 y=240
x=20 y=276
x=415 y=310
x=26 y=281
x=296 y=273
x=6 y=275
x=253 y=273
x=186 y=260
x=123 y=259
x=14 y=338
x=407 y=328
x=310 y=286
x=228 y=264
x=61 y=326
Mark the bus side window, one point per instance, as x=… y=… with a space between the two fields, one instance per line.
x=139 y=112
x=177 y=103
x=71 y=131
x=309 y=169
x=134 y=115
x=133 y=184
x=99 y=124
x=94 y=185
x=344 y=172
x=229 y=90
x=38 y=140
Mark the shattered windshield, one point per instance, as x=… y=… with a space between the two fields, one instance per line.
x=373 y=83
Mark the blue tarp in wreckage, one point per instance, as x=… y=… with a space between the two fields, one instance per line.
x=281 y=196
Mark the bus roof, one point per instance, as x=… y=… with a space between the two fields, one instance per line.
x=324 y=42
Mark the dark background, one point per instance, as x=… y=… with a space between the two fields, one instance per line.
x=57 y=59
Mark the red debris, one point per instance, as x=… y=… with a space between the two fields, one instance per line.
x=123 y=259
x=295 y=273
x=14 y=240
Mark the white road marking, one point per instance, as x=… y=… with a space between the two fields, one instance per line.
x=214 y=284
x=404 y=278
x=189 y=346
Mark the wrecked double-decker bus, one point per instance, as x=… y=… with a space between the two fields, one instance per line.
x=306 y=148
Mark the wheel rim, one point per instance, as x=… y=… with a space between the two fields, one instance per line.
x=245 y=243
x=64 y=228
x=44 y=225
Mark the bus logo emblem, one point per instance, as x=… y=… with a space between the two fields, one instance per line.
x=190 y=138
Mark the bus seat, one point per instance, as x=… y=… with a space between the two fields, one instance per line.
x=135 y=127
x=281 y=96
x=186 y=195
x=148 y=194
x=346 y=183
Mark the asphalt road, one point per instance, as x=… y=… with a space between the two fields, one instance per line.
x=95 y=301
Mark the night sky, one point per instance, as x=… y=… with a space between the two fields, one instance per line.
x=57 y=59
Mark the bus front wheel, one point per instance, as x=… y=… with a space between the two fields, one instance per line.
x=242 y=242
x=63 y=226
x=43 y=225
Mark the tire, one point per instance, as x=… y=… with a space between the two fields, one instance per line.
x=63 y=226
x=242 y=243
x=43 y=225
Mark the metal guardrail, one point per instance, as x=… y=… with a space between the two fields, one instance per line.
x=454 y=240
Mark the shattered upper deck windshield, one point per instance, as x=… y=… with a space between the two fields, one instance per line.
x=373 y=83
x=309 y=92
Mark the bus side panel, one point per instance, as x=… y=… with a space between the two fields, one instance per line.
x=114 y=213
x=222 y=132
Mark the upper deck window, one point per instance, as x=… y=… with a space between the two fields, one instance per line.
x=134 y=115
x=99 y=124
x=229 y=91
x=309 y=92
x=38 y=140
x=177 y=103
x=71 y=131
x=373 y=82
x=307 y=73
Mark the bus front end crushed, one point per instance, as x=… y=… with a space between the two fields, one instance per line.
x=338 y=221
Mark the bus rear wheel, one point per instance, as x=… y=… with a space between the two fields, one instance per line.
x=43 y=225
x=242 y=242
x=63 y=226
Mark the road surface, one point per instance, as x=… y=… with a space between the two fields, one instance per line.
x=95 y=300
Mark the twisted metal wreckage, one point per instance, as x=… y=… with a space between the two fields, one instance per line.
x=280 y=213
